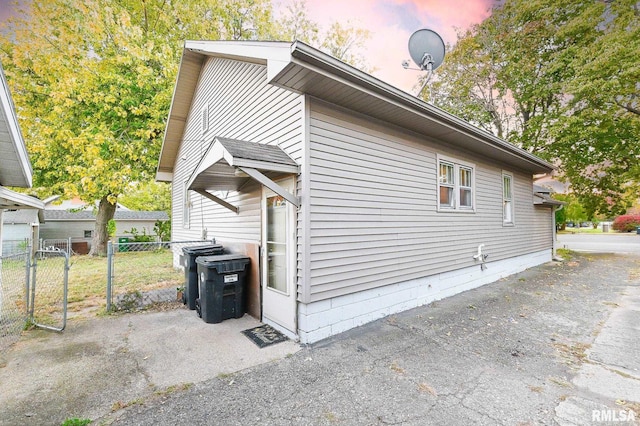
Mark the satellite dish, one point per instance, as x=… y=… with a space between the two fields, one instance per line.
x=426 y=49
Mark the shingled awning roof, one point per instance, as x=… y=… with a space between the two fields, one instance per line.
x=229 y=163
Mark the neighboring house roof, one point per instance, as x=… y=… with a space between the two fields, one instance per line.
x=85 y=215
x=16 y=168
x=15 y=200
x=22 y=216
x=554 y=185
x=303 y=69
x=54 y=203
x=542 y=195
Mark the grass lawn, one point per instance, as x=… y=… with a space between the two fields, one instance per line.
x=584 y=231
x=132 y=271
x=591 y=231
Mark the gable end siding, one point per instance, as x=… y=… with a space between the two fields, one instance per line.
x=241 y=105
x=373 y=212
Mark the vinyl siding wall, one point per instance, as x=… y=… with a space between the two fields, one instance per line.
x=241 y=105
x=373 y=218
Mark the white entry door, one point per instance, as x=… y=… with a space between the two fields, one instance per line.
x=279 y=265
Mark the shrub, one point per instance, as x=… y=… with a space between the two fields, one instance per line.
x=626 y=223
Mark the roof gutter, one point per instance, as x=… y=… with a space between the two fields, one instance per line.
x=305 y=55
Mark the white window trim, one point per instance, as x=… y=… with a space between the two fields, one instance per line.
x=186 y=206
x=512 y=221
x=457 y=164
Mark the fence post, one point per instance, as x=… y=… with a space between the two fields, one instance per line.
x=69 y=250
x=109 y=262
x=34 y=270
x=27 y=279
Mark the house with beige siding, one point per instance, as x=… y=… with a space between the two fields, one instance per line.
x=354 y=199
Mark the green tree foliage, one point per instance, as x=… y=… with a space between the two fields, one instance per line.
x=147 y=196
x=296 y=24
x=93 y=79
x=572 y=211
x=560 y=79
x=345 y=41
x=598 y=135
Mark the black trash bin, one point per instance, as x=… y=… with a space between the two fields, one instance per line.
x=222 y=287
x=191 y=270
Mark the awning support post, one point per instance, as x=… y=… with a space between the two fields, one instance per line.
x=255 y=174
x=220 y=201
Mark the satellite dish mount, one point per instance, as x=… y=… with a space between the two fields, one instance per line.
x=427 y=50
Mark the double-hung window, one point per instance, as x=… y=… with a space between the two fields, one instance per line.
x=455 y=186
x=507 y=198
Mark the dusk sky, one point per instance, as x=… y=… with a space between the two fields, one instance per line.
x=391 y=23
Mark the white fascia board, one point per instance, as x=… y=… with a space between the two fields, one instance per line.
x=215 y=153
x=303 y=54
x=164 y=177
x=276 y=55
x=8 y=109
x=19 y=200
x=263 y=165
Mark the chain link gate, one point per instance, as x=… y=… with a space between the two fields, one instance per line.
x=14 y=287
x=47 y=306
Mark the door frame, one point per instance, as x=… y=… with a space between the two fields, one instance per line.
x=271 y=298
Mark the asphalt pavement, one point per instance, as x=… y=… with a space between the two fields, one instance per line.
x=557 y=344
x=601 y=243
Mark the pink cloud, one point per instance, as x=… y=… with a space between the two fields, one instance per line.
x=392 y=22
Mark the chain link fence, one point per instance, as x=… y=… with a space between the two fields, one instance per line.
x=140 y=274
x=63 y=244
x=14 y=279
x=14 y=247
x=49 y=288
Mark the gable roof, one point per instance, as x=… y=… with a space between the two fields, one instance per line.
x=303 y=69
x=216 y=169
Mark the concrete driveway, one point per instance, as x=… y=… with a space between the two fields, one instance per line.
x=557 y=344
x=103 y=364
x=600 y=243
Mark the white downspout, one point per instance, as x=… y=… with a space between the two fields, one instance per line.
x=554 y=253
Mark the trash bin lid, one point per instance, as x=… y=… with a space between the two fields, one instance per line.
x=204 y=250
x=224 y=262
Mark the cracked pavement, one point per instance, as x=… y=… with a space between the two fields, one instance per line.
x=547 y=346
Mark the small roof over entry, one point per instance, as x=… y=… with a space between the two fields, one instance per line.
x=230 y=163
